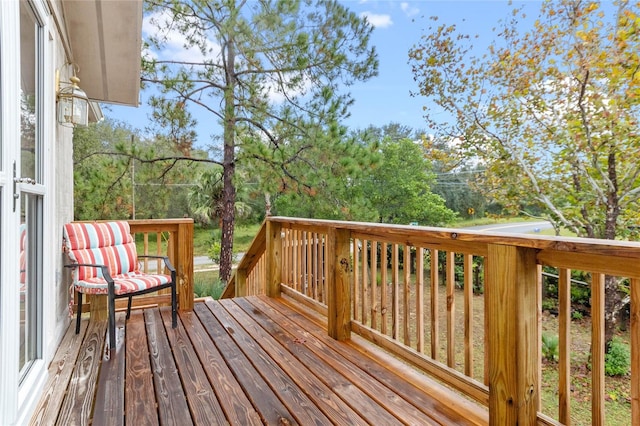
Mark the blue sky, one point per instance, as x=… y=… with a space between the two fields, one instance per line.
x=398 y=26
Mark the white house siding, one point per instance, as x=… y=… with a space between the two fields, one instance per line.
x=18 y=400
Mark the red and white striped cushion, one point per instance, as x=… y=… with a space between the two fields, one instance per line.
x=110 y=244
x=105 y=243
x=124 y=283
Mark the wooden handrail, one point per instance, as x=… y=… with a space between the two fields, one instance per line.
x=369 y=279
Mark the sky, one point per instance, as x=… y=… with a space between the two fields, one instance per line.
x=398 y=27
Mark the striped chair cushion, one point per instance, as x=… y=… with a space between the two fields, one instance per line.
x=105 y=243
x=124 y=283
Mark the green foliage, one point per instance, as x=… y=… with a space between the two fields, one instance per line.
x=549 y=108
x=550 y=347
x=617 y=360
x=399 y=189
x=576 y=315
x=206 y=285
x=116 y=176
x=214 y=248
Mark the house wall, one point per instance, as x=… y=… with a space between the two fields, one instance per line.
x=19 y=397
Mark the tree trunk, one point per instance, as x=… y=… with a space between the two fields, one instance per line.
x=613 y=297
x=229 y=167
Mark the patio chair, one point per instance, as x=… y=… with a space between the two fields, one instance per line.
x=104 y=261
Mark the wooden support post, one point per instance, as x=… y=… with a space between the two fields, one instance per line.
x=184 y=266
x=98 y=307
x=338 y=286
x=241 y=282
x=274 y=258
x=512 y=316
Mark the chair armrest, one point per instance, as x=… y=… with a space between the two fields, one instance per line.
x=167 y=262
x=105 y=270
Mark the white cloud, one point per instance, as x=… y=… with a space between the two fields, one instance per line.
x=378 y=21
x=175 y=41
x=409 y=10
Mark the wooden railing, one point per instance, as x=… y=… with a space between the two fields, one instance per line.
x=410 y=290
x=165 y=237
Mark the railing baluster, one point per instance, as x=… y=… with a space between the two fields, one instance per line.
x=395 y=293
x=365 y=283
x=468 y=315
x=384 y=265
x=564 y=368
x=597 y=350
x=435 y=320
x=357 y=283
x=420 y=299
x=406 y=267
x=451 y=309
x=635 y=351
x=374 y=285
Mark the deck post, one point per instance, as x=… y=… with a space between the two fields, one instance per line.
x=274 y=258
x=241 y=282
x=338 y=285
x=512 y=318
x=184 y=272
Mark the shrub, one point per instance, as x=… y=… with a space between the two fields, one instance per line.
x=550 y=347
x=617 y=360
x=214 y=251
x=576 y=315
x=203 y=286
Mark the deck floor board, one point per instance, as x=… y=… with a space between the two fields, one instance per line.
x=245 y=361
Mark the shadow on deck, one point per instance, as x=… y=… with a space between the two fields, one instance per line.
x=252 y=360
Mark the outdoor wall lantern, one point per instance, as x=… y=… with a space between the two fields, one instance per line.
x=73 y=104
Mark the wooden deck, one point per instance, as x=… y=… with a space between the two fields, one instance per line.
x=243 y=361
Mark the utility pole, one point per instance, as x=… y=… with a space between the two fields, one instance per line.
x=133 y=184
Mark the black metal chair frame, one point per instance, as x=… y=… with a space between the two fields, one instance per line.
x=112 y=296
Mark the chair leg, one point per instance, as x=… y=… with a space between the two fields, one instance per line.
x=129 y=307
x=112 y=323
x=79 y=313
x=174 y=306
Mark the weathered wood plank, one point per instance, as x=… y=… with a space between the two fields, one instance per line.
x=203 y=404
x=325 y=390
x=259 y=393
x=373 y=401
x=428 y=396
x=109 y=403
x=78 y=402
x=232 y=398
x=59 y=373
x=172 y=404
x=140 y=399
x=275 y=374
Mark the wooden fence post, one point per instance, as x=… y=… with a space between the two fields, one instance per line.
x=274 y=258
x=241 y=282
x=184 y=273
x=512 y=316
x=338 y=285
